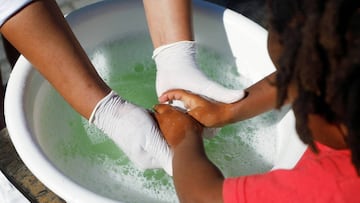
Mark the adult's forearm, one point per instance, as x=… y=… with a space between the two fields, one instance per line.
x=169 y=21
x=40 y=32
x=196 y=178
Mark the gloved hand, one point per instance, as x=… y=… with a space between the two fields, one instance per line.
x=134 y=130
x=177 y=69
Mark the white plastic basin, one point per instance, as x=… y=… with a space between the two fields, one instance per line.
x=39 y=121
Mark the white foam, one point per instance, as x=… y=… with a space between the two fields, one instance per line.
x=95 y=134
x=240 y=149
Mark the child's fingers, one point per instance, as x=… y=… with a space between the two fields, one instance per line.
x=176 y=94
x=171 y=95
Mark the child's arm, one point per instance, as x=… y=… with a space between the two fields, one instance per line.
x=261 y=97
x=196 y=178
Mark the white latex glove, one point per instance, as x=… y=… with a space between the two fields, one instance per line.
x=177 y=69
x=134 y=130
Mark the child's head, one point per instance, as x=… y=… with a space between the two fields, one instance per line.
x=319 y=55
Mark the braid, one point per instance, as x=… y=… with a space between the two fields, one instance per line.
x=344 y=84
x=321 y=59
x=285 y=11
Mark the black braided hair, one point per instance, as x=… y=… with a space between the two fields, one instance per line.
x=321 y=57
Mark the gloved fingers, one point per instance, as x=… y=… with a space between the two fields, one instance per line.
x=155 y=164
x=158 y=152
x=221 y=94
x=134 y=130
x=168 y=167
x=177 y=68
x=196 y=84
x=149 y=161
x=143 y=160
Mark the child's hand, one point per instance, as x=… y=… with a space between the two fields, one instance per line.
x=175 y=124
x=209 y=113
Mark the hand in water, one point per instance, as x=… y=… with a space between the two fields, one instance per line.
x=177 y=69
x=175 y=124
x=134 y=130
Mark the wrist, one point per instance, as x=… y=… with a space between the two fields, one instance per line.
x=191 y=140
x=179 y=46
x=101 y=103
x=223 y=115
x=230 y=113
x=176 y=56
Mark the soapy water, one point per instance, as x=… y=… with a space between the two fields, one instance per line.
x=88 y=157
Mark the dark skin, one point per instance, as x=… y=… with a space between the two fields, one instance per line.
x=40 y=32
x=260 y=98
x=183 y=134
x=199 y=180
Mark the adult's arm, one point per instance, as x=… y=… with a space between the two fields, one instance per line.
x=40 y=32
x=169 y=21
x=170 y=26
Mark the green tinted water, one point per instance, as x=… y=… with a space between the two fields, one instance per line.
x=86 y=155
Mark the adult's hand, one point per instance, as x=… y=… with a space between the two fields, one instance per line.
x=177 y=69
x=134 y=130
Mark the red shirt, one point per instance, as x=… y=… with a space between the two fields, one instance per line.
x=325 y=177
